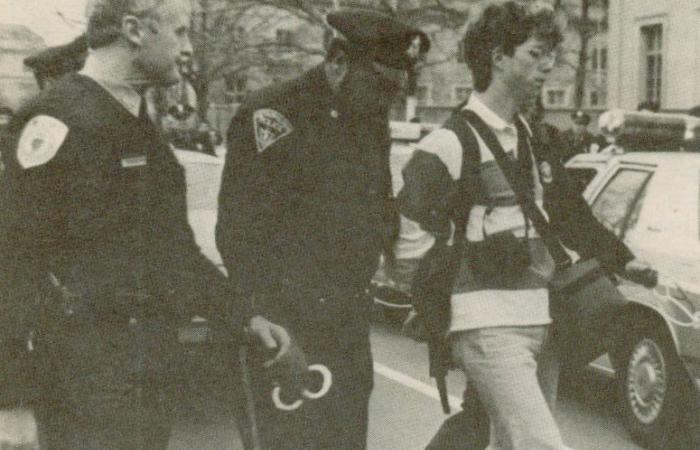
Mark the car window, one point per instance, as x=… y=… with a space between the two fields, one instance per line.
x=581 y=177
x=617 y=206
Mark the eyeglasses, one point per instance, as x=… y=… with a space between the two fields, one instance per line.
x=544 y=56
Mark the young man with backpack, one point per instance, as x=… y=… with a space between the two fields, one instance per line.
x=497 y=314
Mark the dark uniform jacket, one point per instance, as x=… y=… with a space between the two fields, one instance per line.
x=583 y=143
x=304 y=203
x=106 y=215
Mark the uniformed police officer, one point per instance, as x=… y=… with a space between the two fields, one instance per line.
x=98 y=263
x=578 y=139
x=304 y=212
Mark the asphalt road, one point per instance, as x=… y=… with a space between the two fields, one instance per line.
x=405 y=411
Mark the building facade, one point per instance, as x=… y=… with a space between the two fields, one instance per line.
x=653 y=53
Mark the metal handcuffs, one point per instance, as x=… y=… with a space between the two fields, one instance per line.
x=306 y=394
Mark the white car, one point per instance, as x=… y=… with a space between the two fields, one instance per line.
x=652 y=201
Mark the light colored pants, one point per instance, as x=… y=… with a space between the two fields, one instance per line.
x=516 y=373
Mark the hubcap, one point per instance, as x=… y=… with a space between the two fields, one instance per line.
x=646 y=381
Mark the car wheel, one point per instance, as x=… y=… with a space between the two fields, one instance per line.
x=654 y=386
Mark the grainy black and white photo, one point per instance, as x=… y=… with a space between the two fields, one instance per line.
x=349 y=224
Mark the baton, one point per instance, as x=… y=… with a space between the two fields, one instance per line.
x=249 y=397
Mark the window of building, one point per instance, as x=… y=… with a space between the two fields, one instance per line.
x=652 y=57
x=460 y=52
x=423 y=94
x=284 y=36
x=461 y=93
x=599 y=59
x=593 y=98
x=236 y=88
x=555 y=97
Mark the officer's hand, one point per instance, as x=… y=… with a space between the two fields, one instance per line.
x=18 y=430
x=640 y=272
x=271 y=335
x=291 y=371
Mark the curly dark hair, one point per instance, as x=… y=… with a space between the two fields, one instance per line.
x=506 y=25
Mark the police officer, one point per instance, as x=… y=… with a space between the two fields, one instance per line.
x=51 y=64
x=97 y=261
x=578 y=139
x=305 y=210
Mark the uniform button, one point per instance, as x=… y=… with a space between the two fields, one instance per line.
x=334 y=113
x=322 y=300
x=133 y=321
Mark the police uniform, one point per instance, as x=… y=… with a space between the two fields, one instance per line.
x=304 y=212
x=99 y=267
x=585 y=142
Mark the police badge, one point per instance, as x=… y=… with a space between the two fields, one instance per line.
x=546 y=172
x=270 y=126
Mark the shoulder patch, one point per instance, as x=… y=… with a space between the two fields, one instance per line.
x=41 y=138
x=270 y=126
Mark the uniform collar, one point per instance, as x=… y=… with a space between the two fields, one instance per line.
x=492 y=119
x=122 y=91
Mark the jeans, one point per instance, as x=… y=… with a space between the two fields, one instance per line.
x=515 y=372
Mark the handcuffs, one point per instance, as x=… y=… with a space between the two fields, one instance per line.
x=306 y=393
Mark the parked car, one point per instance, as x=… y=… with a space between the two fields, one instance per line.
x=652 y=201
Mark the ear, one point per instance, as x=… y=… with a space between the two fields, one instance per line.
x=497 y=57
x=133 y=30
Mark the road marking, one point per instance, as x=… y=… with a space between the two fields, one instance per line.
x=416 y=385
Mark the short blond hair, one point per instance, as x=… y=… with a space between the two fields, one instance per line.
x=105 y=18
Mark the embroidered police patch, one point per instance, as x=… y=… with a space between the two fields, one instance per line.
x=270 y=126
x=41 y=138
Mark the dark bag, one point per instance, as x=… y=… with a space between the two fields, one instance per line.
x=499 y=259
x=431 y=289
x=584 y=302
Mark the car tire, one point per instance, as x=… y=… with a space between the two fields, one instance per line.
x=654 y=387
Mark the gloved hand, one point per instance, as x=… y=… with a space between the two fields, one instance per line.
x=640 y=272
x=290 y=372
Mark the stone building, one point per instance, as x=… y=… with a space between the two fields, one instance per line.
x=654 y=47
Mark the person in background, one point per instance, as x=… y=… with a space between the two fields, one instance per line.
x=578 y=139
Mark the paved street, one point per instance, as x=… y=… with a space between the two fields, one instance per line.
x=405 y=411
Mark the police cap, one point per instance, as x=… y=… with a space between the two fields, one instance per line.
x=384 y=38
x=59 y=60
x=580 y=117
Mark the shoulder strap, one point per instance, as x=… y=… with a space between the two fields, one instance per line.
x=520 y=186
x=471 y=162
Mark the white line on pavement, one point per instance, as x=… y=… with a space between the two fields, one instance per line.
x=416 y=385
